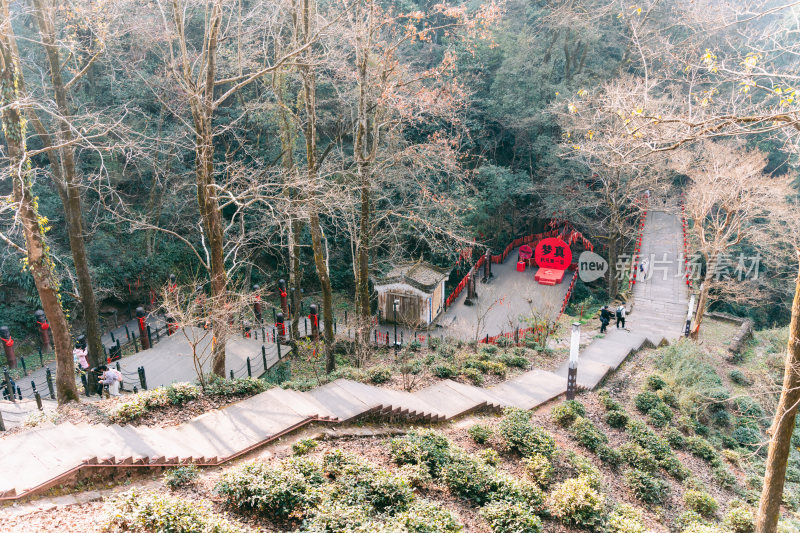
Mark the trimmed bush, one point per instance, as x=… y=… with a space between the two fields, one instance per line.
x=480 y=434
x=510 y=517
x=647 y=400
x=584 y=468
x=425 y=517
x=277 y=494
x=576 y=503
x=638 y=457
x=673 y=466
x=444 y=371
x=539 y=469
x=380 y=374
x=625 y=519
x=616 y=419
x=515 y=361
x=417 y=475
x=426 y=447
x=473 y=375
x=587 y=434
x=388 y=493
x=688 y=519
x=746 y=437
x=700 y=502
x=646 y=487
x=740 y=519
x=180 y=393
x=304 y=446
x=723 y=476
x=245 y=386
x=701 y=448
x=700 y=528
x=471 y=479
x=511 y=489
x=610 y=456
x=143 y=512
x=608 y=402
x=674 y=438
x=655 y=382
x=566 y=413
x=310 y=469
x=334 y=516
x=523 y=437
x=180 y=476
x=660 y=415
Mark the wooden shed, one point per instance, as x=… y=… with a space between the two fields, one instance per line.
x=419 y=286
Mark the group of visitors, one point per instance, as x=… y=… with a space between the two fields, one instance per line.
x=606 y=315
x=107 y=378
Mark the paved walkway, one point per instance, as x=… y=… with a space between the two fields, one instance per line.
x=506 y=302
x=33 y=461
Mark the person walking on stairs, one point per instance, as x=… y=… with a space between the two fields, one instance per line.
x=605 y=318
x=621 y=316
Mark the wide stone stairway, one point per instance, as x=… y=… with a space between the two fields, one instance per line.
x=50 y=455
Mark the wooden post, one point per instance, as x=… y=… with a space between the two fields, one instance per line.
x=231 y=373
x=144 y=335
x=38 y=399
x=8 y=346
x=9 y=388
x=249 y=369
x=49 y=376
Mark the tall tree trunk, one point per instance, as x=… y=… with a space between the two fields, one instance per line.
x=325 y=285
x=44 y=13
x=295 y=275
x=39 y=262
x=362 y=280
x=613 y=253
x=702 y=301
x=782 y=428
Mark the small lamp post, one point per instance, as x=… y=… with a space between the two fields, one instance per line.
x=282 y=290
x=8 y=347
x=140 y=317
x=395 y=305
x=572 y=371
x=257 y=303
x=689 y=314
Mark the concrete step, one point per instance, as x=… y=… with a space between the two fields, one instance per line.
x=590 y=372
x=343 y=404
x=303 y=403
x=530 y=389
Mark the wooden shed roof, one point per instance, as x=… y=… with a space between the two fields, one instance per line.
x=419 y=274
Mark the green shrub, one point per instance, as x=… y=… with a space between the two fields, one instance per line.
x=426 y=447
x=301 y=385
x=674 y=468
x=510 y=517
x=470 y=479
x=566 y=413
x=380 y=374
x=616 y=419
x=674 y=438
x=701 y=448
x=388 y=493
x=180 y=476
x=738 y=377
x=127 y=411
x=660 y=416
x=415 y=346
x=336 y=463
x=480 y=434
x=425 y=517
x=180 y=393
x=418 y=476
x=523 y=437
x=515 y=361
x=277 y=494
x=655 y=382
x=689 y=519
x=646 y=487
x=609 y=403
x=539 y=469
x=473 y=375
x=647 y=400
x=700 y=528
x=740 y=519
x=489 y=456
x=444 y=371
x=700 y=502
x=143 y=512
x=648 y=439
x=489 y=349
x=304 y=446
x=587 y=434
x=723 y=476
x=625 y=519
x=638 y=457
x=584 y=469
x=576 y=503
x=246 y=386
x=310 y=469
x=721 y=419
x=611 y=456
x=511 y=489
x=335 y=516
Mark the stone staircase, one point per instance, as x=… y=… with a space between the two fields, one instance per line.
x=53 y=453
x=50 y=455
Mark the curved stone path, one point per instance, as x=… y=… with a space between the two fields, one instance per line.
x=47 y=456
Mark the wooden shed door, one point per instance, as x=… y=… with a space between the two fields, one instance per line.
x=408 y=312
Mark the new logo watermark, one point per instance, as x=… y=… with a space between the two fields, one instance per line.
x=591 y=267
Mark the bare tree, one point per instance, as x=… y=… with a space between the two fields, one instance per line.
x=33 y=225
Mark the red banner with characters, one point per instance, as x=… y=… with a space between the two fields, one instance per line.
x=553 y=253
